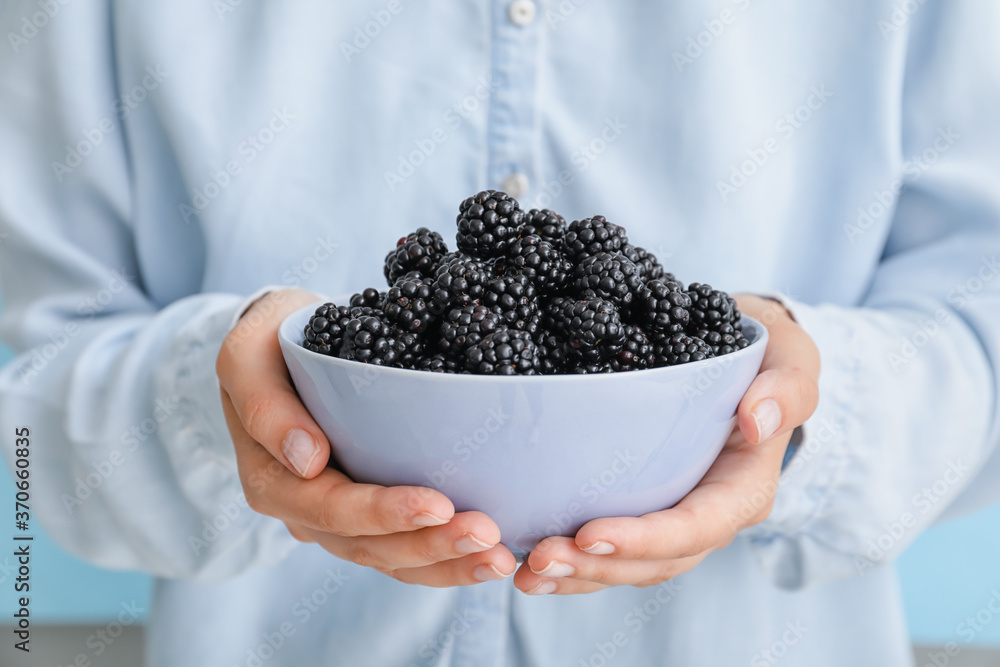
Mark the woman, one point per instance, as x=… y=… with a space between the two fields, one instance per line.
x=178 y=176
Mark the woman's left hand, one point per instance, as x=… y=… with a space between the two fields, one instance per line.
x=736 y=492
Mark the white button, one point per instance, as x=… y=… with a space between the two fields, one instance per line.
x=515 y=185
x=522 y=12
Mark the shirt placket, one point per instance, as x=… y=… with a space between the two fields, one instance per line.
x=511 y=168
x=485 y=611
x=512 y=114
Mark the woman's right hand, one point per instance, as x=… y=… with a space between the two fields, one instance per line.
x=410 y=533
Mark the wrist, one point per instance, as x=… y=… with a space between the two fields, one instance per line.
x=765 y=308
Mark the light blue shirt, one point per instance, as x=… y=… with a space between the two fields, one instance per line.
x=161 y=161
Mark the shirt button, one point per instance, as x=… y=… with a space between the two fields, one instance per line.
x=515 y=185
x=522 y=12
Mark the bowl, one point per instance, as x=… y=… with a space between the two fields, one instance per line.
x=541 y=455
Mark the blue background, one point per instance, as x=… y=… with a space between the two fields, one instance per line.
x=949 y=573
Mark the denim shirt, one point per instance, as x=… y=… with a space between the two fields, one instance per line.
x=161 y=161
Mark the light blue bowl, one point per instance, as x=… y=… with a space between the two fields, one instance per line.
x=540 y=455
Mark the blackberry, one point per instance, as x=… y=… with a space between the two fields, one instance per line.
x=325 y=331
x=712 y=309
x=412 y=348
x=513 y=298
x=420 y=251
x=551 y=313
x=638 y=351
x=545 y=223
x=592 y=328
x=608 y=276
x=458 y=283
x=362 y=311
x=454 y=254
x=526 y=293
x=532 y=325
x=591 y=367
x=679 y=348
x=505 y=352
x=723 y=343
x=551 y=352
x=540 y=261
x=370 y=297
x=371 y=340
x=663 y=306
x=591 y=236
x=463 y=327
x=649 y=267
x=487 y=223
x=407 y=303
x=438 y=363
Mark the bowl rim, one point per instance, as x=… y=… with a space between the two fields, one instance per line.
x=349 y=364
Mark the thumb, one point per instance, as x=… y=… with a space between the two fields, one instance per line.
x=253 y=375
x=776 y=402
x=786 y=392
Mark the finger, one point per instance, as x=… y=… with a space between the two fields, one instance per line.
x=252 y=372
x=331 y=502
x=466 y=533
x=560 y=559
x=785 y=393
x=737 y=491
x=776 y=403
x=530 y=583
x=492 y=565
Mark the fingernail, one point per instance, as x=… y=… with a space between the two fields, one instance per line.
x=488 y=573
x=427 y=519
x=557 y=568
x=767 y=415
x=600 y=548
x=300 y=449
x=468 y=544
x=543 y=588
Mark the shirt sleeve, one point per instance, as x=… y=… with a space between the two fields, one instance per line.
x=907 y=420
x=132 y=465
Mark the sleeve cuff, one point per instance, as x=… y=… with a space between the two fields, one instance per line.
x=814 y=470
x=200 y=447
x=243 y=306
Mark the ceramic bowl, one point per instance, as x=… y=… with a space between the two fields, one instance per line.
x=541 y=455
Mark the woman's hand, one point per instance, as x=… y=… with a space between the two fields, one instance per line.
x=736 y=492
x=410 y=533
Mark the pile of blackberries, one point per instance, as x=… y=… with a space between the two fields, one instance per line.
x=527 y=294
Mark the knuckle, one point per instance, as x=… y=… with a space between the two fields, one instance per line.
x=698 y=539
x=298 y=533
x=392 y=505
x=424 y=552
x=358 y=552
x=655 y=580
x=403 y=576
x=328 y=516
x=223 y=361
x=254 y=500
x=667 y=571
x=258 y=408
x=418 y=494
x=545 y=547
x=601 y=575
x=639 y=549
x=696 y=545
